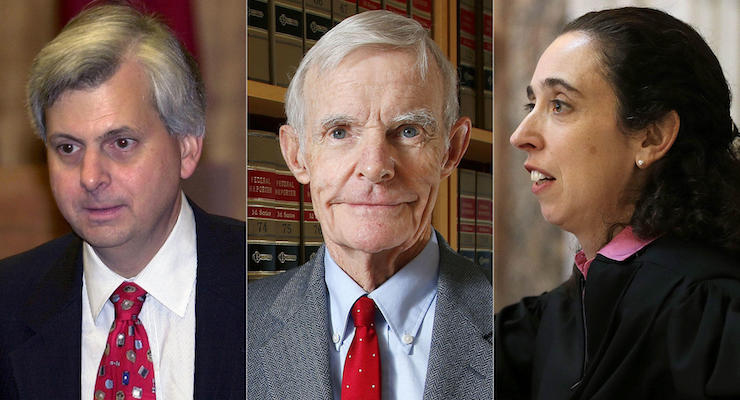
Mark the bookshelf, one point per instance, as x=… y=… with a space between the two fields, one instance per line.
x=267 y=100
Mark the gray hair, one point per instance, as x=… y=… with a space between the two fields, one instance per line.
x=371 y=29
x=91 y=48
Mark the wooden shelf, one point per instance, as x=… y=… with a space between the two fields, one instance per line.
x=265 y=99
x=481 y=146
x=252 y=275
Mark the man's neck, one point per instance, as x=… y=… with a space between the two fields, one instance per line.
x=370 y=270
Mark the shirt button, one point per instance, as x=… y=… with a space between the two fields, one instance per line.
x=335 y=338
x=407 y=339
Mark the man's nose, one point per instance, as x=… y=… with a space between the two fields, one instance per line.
x=93 y=172
x=376 y=163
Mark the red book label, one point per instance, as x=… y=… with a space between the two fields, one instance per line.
x=466 y=228
x=286 y=214
x=488 y=25
x=467 y=42
x=467 y=21
x=422 y=5
x=369 y=4
x=467 y=207
x=260 y=212
x=309 y=216
x=260 y=184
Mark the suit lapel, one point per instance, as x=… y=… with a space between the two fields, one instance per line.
x=298 y=345
x=48 y=364
x=461 y=358
x=220 y=343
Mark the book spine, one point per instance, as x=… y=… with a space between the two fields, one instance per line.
x=466 y=36
x=466 y=213
x=287 y=217
x=484 y=220
x=367 y=5
x=488 y=66
x=286 y=32
x=311 y=229
x=317 y=21
x=342 y=9
x=421 y=12
x=400 y=7
x=258 y=41
x=260 y=204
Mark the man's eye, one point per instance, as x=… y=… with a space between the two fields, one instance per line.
x=123 y=143
x=409 y=131
x=67 y=148
x=338 y=133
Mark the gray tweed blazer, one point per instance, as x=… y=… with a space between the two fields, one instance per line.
x=289 y=339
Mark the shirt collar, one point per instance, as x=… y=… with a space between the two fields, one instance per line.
x=168 y=277
x=621 y=247
x=403 y=300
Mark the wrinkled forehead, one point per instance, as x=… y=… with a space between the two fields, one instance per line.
x=422 y=70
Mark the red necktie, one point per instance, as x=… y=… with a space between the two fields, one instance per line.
x=126 y=370
x=361 y=376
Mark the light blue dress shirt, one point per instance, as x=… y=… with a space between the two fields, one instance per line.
x=404 y=324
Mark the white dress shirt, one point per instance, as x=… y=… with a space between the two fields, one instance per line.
x=404 y=324
x=168 y=313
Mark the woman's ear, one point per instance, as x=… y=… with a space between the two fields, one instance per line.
x=657 y=139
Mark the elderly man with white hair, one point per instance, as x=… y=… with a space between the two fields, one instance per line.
x=386 y=309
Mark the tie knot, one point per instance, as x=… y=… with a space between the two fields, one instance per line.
x=363 y=311
x=127 y=300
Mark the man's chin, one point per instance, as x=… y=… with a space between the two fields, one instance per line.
x=102 y=238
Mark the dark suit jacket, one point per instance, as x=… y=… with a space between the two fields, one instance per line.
x=41 y=314
x=289 y=338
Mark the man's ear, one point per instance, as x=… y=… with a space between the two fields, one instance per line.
x=459 y=139
x=657 y=138
x=290 y=147
x=191 y=147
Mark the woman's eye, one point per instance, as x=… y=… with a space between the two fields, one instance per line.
x=558 y=106
x=409 y=131
x=338 y=133
x=529 y=107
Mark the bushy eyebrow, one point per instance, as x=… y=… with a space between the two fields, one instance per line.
x=554 y=83
x=337 y=120
x=423 y=117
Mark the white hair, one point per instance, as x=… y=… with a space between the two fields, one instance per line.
x=371 y=29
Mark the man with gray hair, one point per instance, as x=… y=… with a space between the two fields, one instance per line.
x=146 y=298
x=386 y=309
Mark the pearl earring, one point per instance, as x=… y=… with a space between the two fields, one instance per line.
x=640 y=163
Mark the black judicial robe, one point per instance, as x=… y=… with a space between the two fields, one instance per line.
x=662 y=324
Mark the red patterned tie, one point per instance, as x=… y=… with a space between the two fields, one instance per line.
x=126 y=370
x=361 y=377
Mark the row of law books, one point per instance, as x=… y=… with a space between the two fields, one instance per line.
x=475 y=60
x=279 y=32
x=475 y=216
x=282 y=230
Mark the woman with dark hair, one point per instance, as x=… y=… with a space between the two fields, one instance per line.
x=631 y=147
